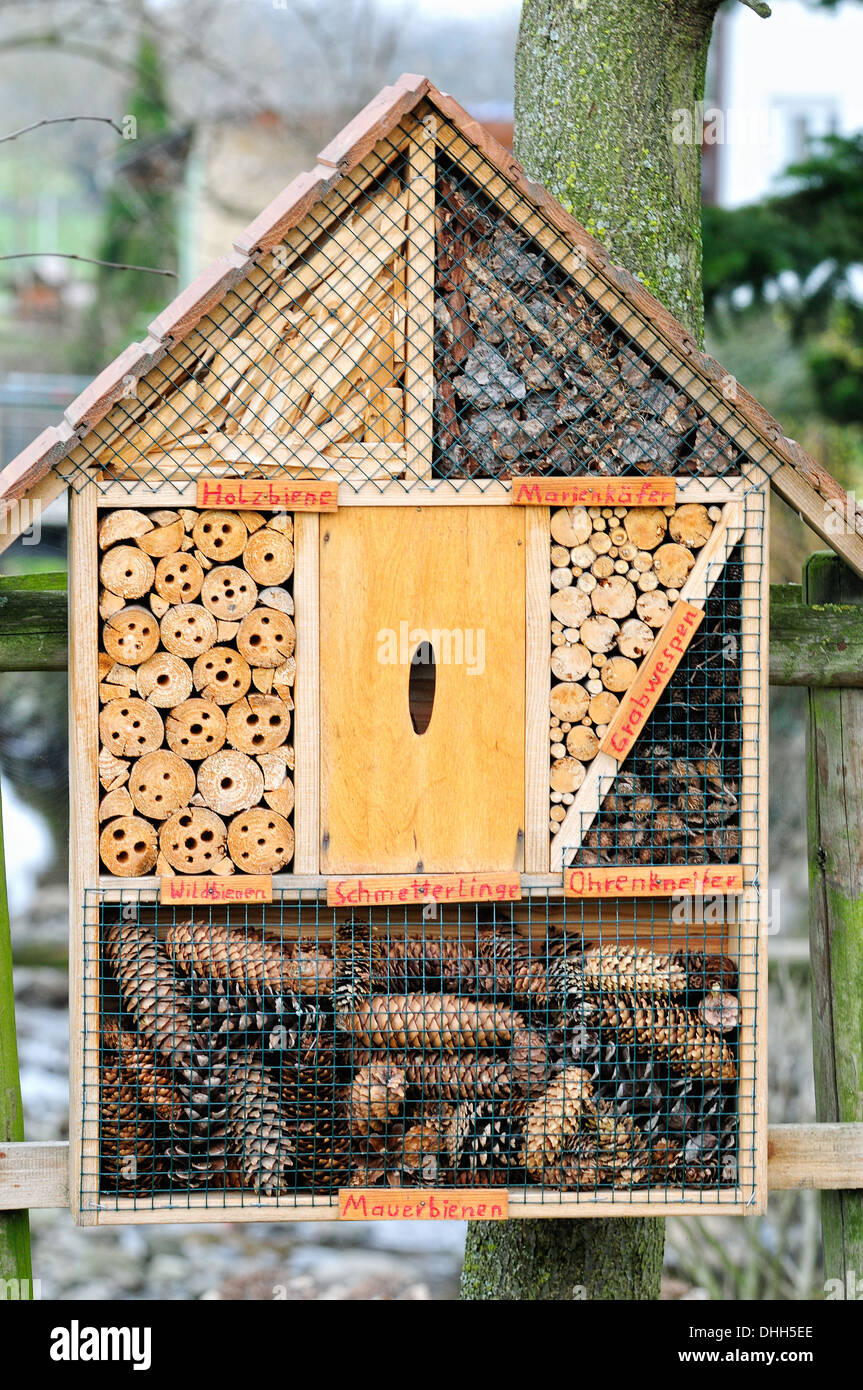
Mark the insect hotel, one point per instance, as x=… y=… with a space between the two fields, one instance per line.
x=418 y=601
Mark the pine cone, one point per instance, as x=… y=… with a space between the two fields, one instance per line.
x=632 y=970
x=675 y=1033
x=484 y=1144
x=376 y=1093
x=609 y=1151
x=250 y=962
x=515 y=971
x=471 y=1077
x=429 y=1021
x=447 y=967
x=127 y=1131
x=151 y=1080
x=552 y=1119
x=159 y=1001
x=212 y=1163
x=255 y=1119
x=705 y=971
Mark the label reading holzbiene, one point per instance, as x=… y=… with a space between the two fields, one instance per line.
x=207 y=888
x=653 y=676
x=268 y=494
x=415 y=1204
x=594 y=492
x=423 y=888
x=654 y=881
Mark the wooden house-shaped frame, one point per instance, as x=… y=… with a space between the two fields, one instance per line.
x=405 y=526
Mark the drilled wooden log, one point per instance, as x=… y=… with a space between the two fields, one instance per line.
x=188 y=630
x=260 y=841
x=127 y=846
x=230 y=781
x=131 y=635
x=195 y=841
x=220 y=535
x=179 y=578
x=127 y=571
x=160 y=784
x=195 y=729
x=229 y=593
x=131 y=728
x=258 y=723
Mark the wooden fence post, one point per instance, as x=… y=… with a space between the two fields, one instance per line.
x=14 y=1225
x=835 y=798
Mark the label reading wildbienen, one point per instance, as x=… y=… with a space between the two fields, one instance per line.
x=268 y=494
x=205 y=888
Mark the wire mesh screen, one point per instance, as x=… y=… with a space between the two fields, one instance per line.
x=422 y=323
x=281 y=1054
x=677 y=797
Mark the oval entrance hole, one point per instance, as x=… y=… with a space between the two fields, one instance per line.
x=421 y=686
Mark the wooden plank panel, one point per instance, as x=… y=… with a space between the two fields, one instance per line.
x=538 y=684
x=451 y=798
x=34 y=1175
x=307 y=725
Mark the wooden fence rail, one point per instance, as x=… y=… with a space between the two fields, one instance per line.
x=816 y=640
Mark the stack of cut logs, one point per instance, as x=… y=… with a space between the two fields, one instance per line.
x=532 y=377
x=230 y=1059
x=196 y=670
x=615 y=573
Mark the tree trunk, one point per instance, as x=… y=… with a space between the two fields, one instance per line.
x=607 y=117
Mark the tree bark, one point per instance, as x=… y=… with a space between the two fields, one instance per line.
x=607 y=117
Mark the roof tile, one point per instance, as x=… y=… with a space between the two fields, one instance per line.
x=96 y=400
x=374 y=122
x=286 y=210
x=186 y=311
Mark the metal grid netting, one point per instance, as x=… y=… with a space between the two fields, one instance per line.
x=677 y=797
x=283 y=1053
x=421 y=324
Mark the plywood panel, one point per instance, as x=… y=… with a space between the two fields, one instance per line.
x=451 y=798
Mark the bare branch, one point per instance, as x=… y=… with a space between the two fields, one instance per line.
x=763 y=11
x=91 y=260
x=59 y=120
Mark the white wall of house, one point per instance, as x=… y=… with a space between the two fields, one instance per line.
x=782 y=82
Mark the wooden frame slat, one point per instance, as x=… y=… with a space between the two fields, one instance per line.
x=84 y=856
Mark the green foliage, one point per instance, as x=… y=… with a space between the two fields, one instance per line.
x=140 y=219
x=815 y=231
